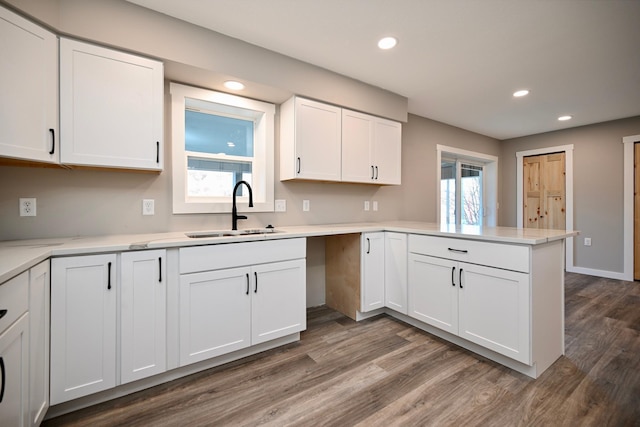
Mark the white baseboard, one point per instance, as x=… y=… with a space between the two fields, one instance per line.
x=599 y=273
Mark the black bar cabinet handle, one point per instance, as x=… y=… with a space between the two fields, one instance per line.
x=453 y=272
x=4 y=378
x=53 y=141
x=460 y=251
x=247 y=283
x=298 y=171
x=368 y=246
x=109 y=276
x=376 y=172
x=372 y=172
x=159 y=269
x=157 y=151
x=3 y=313
x=460 y=278
x=256 y=288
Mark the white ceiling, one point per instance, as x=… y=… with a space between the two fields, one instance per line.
x=457 y=61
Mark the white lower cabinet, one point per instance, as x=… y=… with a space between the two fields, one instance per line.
x=14 y=352
x=226 y=310
x=215 y=313
x=372 y=284
x=395 y=271
x=143 y=314
x=39 y=311
x=485 y=305
x=83 y=326
x=278 y=303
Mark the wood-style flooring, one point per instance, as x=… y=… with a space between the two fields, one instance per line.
x=382 y=372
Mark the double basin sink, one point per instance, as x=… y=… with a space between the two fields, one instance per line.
x=228 y=233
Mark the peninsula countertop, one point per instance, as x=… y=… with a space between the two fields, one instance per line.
x=17 y=256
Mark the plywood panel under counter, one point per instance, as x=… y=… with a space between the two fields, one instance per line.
x=342 y=271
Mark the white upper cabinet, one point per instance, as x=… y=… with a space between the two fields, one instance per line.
x=387 y=151
x=310 y=137
x=371 y=149
x=327 y=143
x=28 y=90
x=111 y=111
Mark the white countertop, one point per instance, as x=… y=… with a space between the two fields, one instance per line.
x=19 y=255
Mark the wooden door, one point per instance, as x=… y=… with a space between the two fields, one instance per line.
x=636 y=214
x=544 y=191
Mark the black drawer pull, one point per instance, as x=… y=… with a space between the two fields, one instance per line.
x=460 y=251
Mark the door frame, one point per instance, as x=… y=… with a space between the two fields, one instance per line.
x=490 y=180
x=568 y=165
x=628 y=142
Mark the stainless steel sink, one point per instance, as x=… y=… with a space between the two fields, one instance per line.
x=227 y=233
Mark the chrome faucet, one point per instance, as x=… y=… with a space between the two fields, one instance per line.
x=234 y=211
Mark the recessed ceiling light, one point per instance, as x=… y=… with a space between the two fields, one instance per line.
x=522 y=92
x=233 y=85
x=387 y=43
x=565 y=118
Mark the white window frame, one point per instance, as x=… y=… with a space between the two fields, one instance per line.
x=263 y=115
x=489 y=180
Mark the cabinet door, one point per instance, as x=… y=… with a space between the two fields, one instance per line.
x=29 y=88
x=215 y=313
x=395 y=271
x=83 y=326
x=143 y=308
x=387 y=152
x=357 y=139
x=39 y=304
x=433 y=293
x=372 y=286
x=14 y=373
x=110 y=107
x=494 y=310
x=317 y=140
x=279 y=300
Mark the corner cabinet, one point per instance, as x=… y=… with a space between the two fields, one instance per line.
x=29 y=88
x=233 y=296
x=310 y=140
x=371 y=149
x=323 y=142
x=111 y=108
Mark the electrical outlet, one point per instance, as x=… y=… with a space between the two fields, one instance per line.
x=306 y=206
x=375 y=205
x=366 y=205
x=148 y=207
x=587 y=241
x=28 y=206
x=280 y=205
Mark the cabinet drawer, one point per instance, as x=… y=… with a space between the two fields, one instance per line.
x=500 y=255
x=230 y=255
x=14 y=297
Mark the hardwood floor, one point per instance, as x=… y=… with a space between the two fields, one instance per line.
x=382 y=372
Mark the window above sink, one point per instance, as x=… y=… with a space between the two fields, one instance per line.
x=219 y=139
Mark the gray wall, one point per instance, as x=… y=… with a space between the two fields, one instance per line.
x=598 y=187
x=81 y=202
